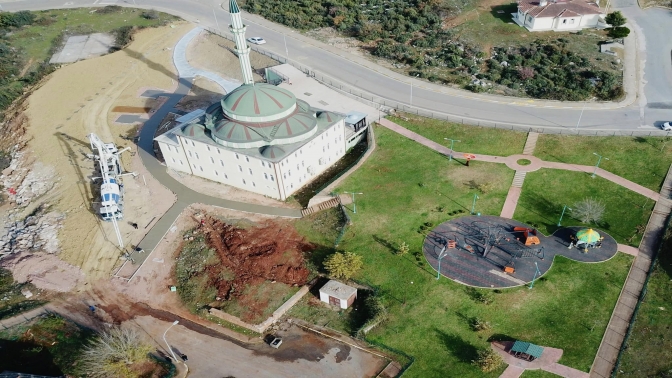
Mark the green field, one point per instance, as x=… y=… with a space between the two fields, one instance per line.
x=649 y=352
x=643 y=160
x=547 y=190
x=472 y=139
x=568 y=308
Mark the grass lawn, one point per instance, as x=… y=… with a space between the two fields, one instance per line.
x=474 y=139
x=547 y=190
x=538 y=374
x=649 y=352
x=568 y=308
x=273 y=295
x=637 y=159
x=36 y=40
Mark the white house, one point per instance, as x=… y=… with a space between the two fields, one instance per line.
x=338 y=294
x=558 y=15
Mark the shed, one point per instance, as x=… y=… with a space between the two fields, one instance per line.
x=338 y=294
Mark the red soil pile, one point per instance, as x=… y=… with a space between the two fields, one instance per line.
x=271 y=252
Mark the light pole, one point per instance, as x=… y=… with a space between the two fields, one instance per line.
x=600 y=157
x=536 y=272
x=354 y=205
x=564 y=207
x=412 y=88
x=168 y=345
x=452 y=141
x=580 y=115
x=442 y=254
x=473 y=204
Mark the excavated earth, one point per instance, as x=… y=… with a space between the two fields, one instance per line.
x=272 y=251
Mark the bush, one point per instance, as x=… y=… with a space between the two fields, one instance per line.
x=478 y=324
x=17 y=19
x=615 y=19
x=123 y=35
x=619 y=32
x=488 y=360
x=589 y=210
x=343 y=265
x=150 y=15
x=114 y=352
x=109 y=9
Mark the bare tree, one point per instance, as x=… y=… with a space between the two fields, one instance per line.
x=590 y=210
x=112 y=353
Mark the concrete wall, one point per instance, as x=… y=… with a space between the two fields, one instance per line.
x=174 y=157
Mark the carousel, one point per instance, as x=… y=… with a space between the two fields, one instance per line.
x=586 y=238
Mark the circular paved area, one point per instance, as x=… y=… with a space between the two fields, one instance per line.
x=469 y=264
x=512 y=162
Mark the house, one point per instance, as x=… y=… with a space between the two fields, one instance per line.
x=558 y=15
x=338 y=294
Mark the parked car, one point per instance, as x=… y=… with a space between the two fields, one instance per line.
x=667 y=126
x=256 y=40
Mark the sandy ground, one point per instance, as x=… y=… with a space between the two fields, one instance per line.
x=75 y=101
x=213 y=53
x=224 y=191
x=203 y=93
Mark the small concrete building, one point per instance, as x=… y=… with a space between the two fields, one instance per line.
x=338 y=294
x=558 y=15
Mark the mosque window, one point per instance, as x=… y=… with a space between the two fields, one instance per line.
x=253 y=184
x=212 y=160
x=262 y=163
x=218 y=151
x=216 y=173
x=244 y=183
x=247 y=159
x=181 y=163
x=196 y=153
x=303 y=165
x=322 y=148
x=190 y=155
x=173 y=159
x=284 y=175
x=221 y=162
x=208 y=147
x=193 y=144
x=226 y=176
x=240 y=168
x=194 y=166
x=265 y=175
x=200 y=167
x=272 y=178
x=289 y=172
x=250 y=169
x=295 y=155
x=237 y=156
x=297 y=167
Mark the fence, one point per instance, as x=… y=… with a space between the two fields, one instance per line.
x=642 y=295
x=383 y=104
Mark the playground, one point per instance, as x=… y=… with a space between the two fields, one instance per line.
x=495 y=252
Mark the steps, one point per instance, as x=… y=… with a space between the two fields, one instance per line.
x=518 y=179
x=320 y=207
x=530 y=143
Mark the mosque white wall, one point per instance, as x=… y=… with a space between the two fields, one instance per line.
x=174 y=157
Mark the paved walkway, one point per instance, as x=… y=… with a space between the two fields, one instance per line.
x=511 y=201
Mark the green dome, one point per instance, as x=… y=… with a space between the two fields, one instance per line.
x=258 y=103
x=297 y=127
x=194 y=130
x=272 y=152
x=303 y=106
x=327 y=118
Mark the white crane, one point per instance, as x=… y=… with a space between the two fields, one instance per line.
x=111 y=191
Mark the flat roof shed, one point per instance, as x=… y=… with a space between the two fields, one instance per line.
x=338 y=294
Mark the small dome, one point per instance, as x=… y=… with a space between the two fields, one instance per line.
x=303 y=106
x=327 y=118
x=258 y=103
x=235 y=134
x=272 y=152
x=194 y=130
x=298 y=127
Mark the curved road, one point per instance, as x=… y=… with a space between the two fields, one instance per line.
x=366 y=76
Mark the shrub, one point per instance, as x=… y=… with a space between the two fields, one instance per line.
x=150 y=15
x=113 y=352
x=403 y=249
x=619 y=32
x=589 y=210
x=488 y=360
x=109 y=9
x=478 y=324
x=123 y=35
x=17 y=19
x=343 y=265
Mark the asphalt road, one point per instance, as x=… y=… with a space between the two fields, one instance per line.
x=348 y=69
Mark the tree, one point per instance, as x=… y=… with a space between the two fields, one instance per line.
x=403 y=249
x=488 y=360
x=112 y=354
x=343 y=265
x=615 y=19
x=619 y=32
x=526 y=72
x=589 y=210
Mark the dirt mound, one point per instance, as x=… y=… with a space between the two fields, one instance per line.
x=271 y=252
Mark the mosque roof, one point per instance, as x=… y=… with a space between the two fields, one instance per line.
x=232 y=133
x=272 y=152
x=258 y=103
x=194 y=130
x=303 y=106
x=327 y=118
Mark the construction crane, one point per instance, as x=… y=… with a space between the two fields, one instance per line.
x=111 y=190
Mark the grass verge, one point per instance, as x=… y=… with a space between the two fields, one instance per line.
x=13 y=301
x=649 y=352
x=473 y=139
x=643 y=160
x=547 y=190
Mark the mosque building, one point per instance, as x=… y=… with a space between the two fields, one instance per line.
x=259 y=137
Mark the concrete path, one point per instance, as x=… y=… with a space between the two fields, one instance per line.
x=547 y=362
x=185 y=196
x=614 y=337
x=516 y=188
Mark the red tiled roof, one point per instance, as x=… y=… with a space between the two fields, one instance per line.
x=560 y=8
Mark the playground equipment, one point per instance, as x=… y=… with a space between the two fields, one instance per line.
x=586 y=238
x=529 y=235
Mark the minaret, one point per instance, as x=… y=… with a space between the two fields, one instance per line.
x=243 y=50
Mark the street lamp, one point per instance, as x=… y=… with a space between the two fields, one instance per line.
x=536 y=272
x=598 y=163
x=442 y=254
x=452 y=141
x=354 y=205
x=412 y=88
x=564 y=207
x=473 y=204
x=168 y=345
